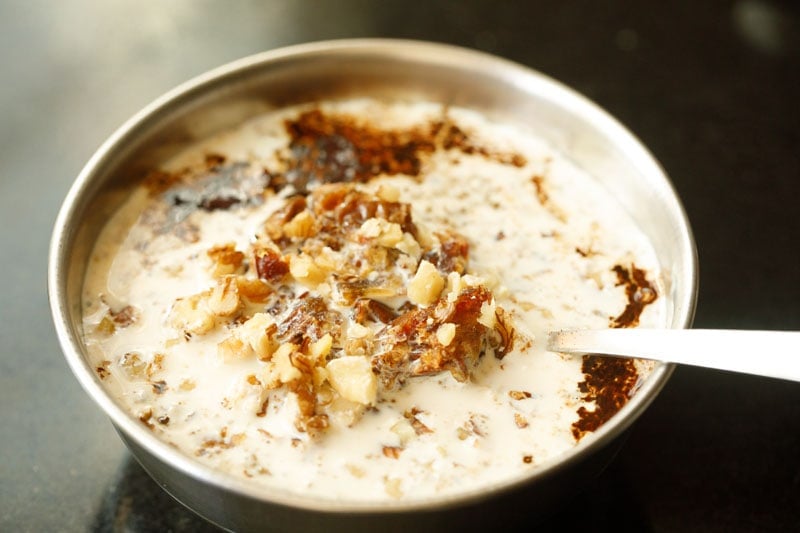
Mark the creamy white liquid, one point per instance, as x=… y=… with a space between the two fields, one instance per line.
x=525 y=248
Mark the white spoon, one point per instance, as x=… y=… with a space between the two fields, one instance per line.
x=773 y=354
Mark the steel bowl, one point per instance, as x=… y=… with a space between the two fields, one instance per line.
x=386 y=69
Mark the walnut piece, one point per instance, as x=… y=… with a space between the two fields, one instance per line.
x=352 y=377
x=426 y=285
x=226 y=260
x=192 y=314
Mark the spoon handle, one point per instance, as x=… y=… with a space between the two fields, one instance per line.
x=763 y=353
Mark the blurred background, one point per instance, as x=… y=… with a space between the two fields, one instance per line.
x=710 y=87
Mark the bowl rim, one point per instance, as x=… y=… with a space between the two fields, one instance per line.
x=427 y=52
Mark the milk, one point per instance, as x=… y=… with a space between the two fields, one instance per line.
x=542 y=234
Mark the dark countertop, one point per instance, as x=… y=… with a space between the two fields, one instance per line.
x=709 y=87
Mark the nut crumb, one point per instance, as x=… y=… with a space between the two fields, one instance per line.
x=393 y=487
x=419 y=427
x=102 y=369
x=356 y=471
x=519 y=394
x=145 y=417
x=226 y=260
x=392 y=452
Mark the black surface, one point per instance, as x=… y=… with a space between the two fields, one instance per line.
x=711 y=88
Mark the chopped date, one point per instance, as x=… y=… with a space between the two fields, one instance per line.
x=223 y=186
x=369 y=310
x=454 y=138
x=408 y=346
x=309 y=319
x=275 y=223
x=506 y=332
x=639 y=291
x=349 y=208
x=270 y=265
x=608 y=383
x=333 y=148
x=451 y=256
x=325 y=159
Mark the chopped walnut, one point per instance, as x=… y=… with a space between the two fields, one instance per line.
x=259 y=334
x=275 y=224
x=121 y=318
x=145 y=417
x=192 y=314
x=224 y=298
x=233 y=348
x=224 y=442
x=133 y=365
x=393 y=487
x=248 y=394
x=446 y=333
x=426 y=285
x=356 y=471
x=254 y=290
x=159 y=387
x=404 y=431
x=352 y=377
x=305 y=270
x=106 y=326
x=226 y=260
x=321 y=348
x=345 y=412
x=284 y=369
x=382 y=231
x=301 y=226
x=474 y=426
x=155 y=365
x=351 y=289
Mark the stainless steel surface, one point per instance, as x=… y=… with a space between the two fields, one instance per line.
x=334 y=70
x=773 y=354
